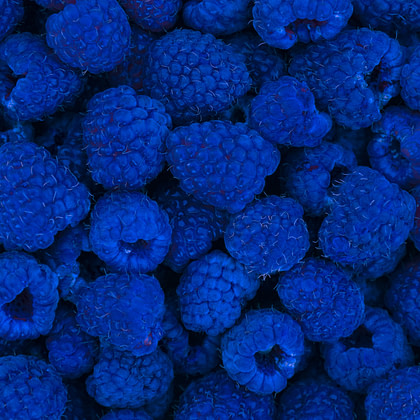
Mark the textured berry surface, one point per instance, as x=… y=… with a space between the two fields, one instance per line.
x=269 y=235
x=37 y=82
x=91 y=35
x=124 y=135
x=220 y=163
x=28 y=297
x=395 y=147
x=123 y=309
x=309 y=399
x=31 y=389
x=395 y=397
x=216 y=396
x=194 y=75
x=38 y=197
x=322 y=298
x=122 y=380
x=375 y=348
x=284 y=113
x=370 y=219
x=309 y=175
x=410 y=80
x=263 y=350
x=403 y=298
x=11 y=14
x=282 y=23
x=194 y=226
x=71 y=351
x=153 y=15
x=353 y=76
x=212 y=292
x=130 y=232
x=216 y=16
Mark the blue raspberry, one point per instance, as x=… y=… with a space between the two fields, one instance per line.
x=370 y=218
x=131 y=71
x=38 y=197
x=375 y=348
x=263 y=350
x=188 y=359
x=216 y=396
x=70 y=350
x=309 y=399
x=410 y=80
x=122 y=380
x=195 y=76
x=124 y=135
x=403 y=298
x=130 y=232
x=264 y=63
x=212 y=291
x=322 y=298
x=392 y=16
x=396 y=397
x=11 y=14
x=125 y=310
x=30 y=389
x=93 y=35
x=126 y=414
x=309 y=175
x=38 y=83
x=220 y=163
x=353 y=76
x=194 y=227
x=153 y=15
x=284 y=113
x=282 y=23
x=394 y=149
x=217 y=17
x=29 y=297
x=269 y=235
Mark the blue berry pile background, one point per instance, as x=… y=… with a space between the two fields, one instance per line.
x=209 y=209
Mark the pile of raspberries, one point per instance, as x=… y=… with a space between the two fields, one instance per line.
x=209 y=209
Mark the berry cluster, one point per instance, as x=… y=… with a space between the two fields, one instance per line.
x=209 y=209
